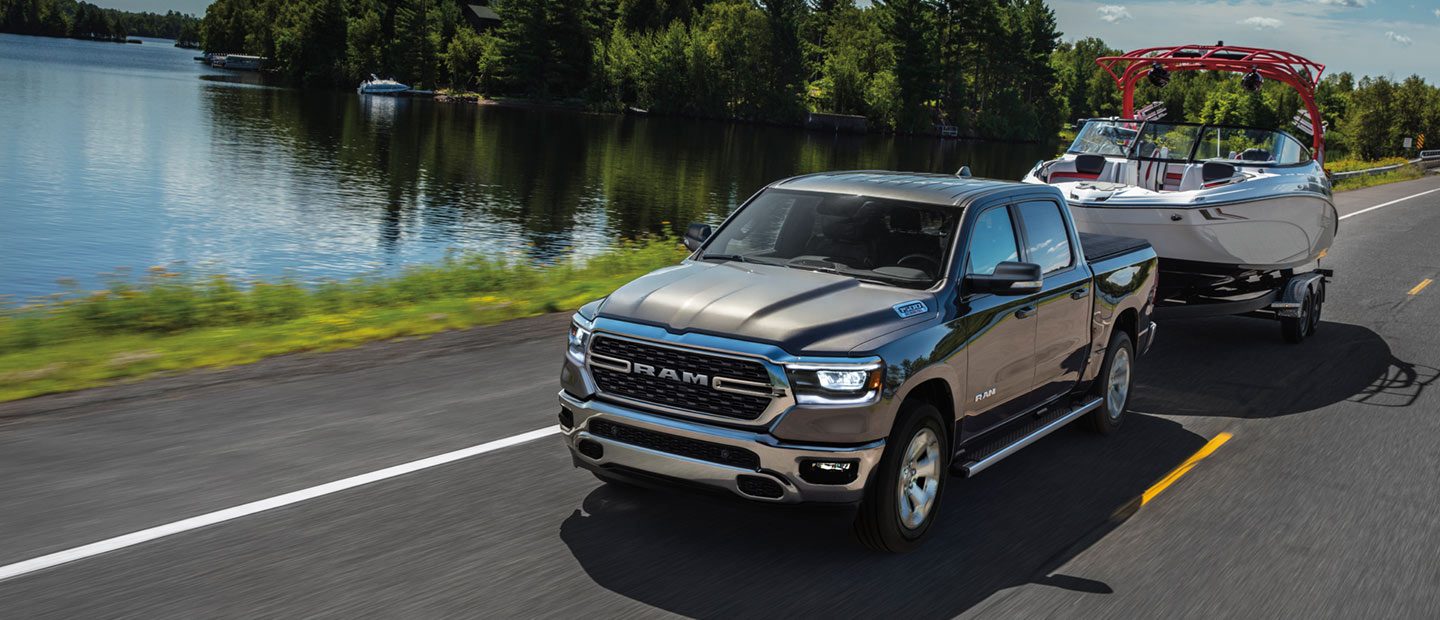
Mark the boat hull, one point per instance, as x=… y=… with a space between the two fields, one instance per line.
x=1265 y=233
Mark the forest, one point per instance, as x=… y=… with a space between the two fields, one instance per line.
x=990 y=68
x=994 y=69
x=82 y=20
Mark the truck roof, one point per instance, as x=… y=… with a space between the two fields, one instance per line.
x=937 y=189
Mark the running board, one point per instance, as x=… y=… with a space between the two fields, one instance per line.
x=974 y=467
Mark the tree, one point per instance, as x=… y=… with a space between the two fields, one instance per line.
x=310 y=40
x=910 y=24
x=472 y=59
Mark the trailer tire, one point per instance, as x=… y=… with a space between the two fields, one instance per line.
x=1113 y=386
x=879 y=524
x=1296 y=329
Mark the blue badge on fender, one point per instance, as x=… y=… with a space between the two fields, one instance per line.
x=910 y=308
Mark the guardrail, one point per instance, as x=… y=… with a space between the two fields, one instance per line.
x=1369 y=171
x=1427 y=159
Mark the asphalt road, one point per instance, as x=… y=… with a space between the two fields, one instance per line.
x=1321 y=505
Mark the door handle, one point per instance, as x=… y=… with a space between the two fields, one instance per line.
x=1025 y=312
x=1080 y=293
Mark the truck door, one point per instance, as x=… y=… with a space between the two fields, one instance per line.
x=1062 y=336
x=1000 y=330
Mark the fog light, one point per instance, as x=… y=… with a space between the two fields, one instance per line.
x=829 y=471
x=591 y=449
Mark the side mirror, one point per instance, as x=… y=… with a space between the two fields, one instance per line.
x=696 y=235
x=1009 y=279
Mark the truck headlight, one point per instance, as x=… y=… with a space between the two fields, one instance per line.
x=579 y=340
x=837 y=384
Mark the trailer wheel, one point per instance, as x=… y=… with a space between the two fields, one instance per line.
x=1297 y=328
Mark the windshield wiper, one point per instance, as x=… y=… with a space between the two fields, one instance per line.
x=735 y=257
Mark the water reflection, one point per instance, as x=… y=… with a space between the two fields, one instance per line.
x=222 y=173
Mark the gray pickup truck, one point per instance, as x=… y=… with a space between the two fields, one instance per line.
x=858 y=337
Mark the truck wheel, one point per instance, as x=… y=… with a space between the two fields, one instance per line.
x=1113 y=385
x=903 y=496
x=1297 y=328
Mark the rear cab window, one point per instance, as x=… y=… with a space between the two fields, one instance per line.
x=1047 y=240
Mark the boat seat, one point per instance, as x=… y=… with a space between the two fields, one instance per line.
x=1214 y=173
x=1087 y=168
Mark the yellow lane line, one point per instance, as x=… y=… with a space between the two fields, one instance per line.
x=1184 y=468
x=1421 y=286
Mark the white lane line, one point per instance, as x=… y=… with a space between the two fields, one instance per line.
x=1386 y=204
x=220 y=516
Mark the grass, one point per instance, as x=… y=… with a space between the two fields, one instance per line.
x=170 y=321
x=1404 y=173
x=1351 y=165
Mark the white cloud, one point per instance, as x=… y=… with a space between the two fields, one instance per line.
x=1261 y=23
x=1354 y=4
x=1113 y=13
x=1399 y=38
x=1437 y=12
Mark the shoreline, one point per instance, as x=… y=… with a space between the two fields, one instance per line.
x=448 y=96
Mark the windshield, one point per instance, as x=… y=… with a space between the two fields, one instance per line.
x=1176 y=142
x=1250 y=146
x=877 y=240
x=1104 y=138
x=1165 y=141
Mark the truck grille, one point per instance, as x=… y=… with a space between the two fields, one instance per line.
x=679 y=394
x=672 y=444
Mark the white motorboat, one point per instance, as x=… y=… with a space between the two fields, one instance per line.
x=377 y=86
x=1230 y=210
x=1211 y=199
x=1239 y=216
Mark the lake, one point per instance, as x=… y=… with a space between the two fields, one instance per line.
x=116 y=158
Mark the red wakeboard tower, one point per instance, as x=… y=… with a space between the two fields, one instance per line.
x=1298 y=72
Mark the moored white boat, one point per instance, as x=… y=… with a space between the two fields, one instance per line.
x=377 y=86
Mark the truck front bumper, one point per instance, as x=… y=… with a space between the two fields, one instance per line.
x=752 y=465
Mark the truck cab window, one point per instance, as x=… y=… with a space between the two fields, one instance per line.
x=993 y=241
x=1047 y=242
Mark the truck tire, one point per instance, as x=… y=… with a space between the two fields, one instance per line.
x=1113 y=386
x=903 y=496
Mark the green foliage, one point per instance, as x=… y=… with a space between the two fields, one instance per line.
x=473 y=60
x=82 y=20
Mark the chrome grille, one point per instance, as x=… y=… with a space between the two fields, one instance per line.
x=678 y=394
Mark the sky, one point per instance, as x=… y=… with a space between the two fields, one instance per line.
x=1365 y=37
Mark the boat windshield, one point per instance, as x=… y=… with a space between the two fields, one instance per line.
x=1250 y=146
x=1107 y=137
x=1188 y=142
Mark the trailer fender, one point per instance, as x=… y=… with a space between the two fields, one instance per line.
x=1293 y=293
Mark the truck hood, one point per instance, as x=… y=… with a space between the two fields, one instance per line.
x=802 y=312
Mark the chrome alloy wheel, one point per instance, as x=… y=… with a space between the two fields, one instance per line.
x=919 y=479
x=1119 y=387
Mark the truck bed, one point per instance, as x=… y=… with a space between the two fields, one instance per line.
x=1099 y=247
